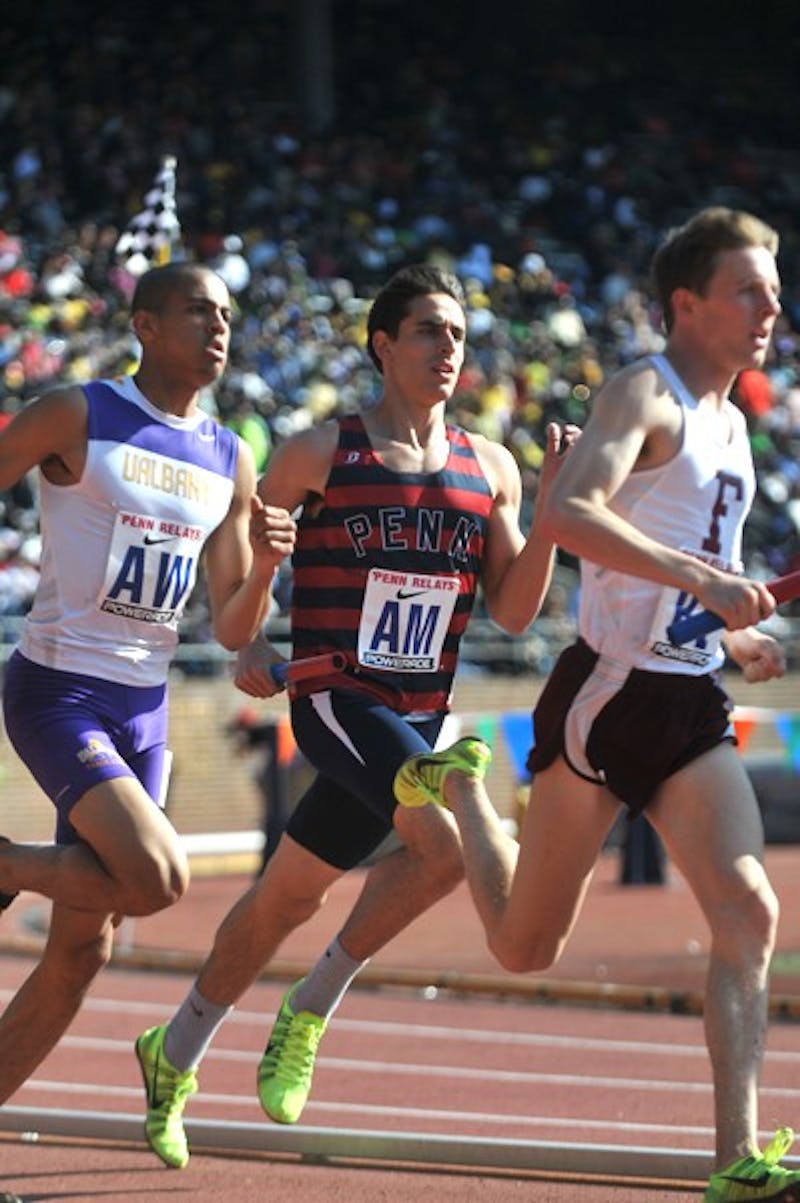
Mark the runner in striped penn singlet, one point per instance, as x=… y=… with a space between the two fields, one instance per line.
x=403 y=516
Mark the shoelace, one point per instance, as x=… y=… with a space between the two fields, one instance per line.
x=779 y=1146
x=276 y=1044
x=428 y=775
x=178 y=1088
x=297 y=1056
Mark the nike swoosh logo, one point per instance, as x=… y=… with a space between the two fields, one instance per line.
x=206 y=438
x=753 y=1183
x=424 y=761
x=151 y=539
x=402 y=594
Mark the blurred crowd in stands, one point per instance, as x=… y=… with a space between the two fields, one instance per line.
x=543 y=169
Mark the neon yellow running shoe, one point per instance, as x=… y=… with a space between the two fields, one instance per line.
x=286 y=1070
x=758 y=1178
x=420 y=779
x=167 y=1091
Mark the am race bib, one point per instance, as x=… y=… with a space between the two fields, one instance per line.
x=404 y=620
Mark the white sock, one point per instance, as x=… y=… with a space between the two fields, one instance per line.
x=191 y=1030
x=323 y=988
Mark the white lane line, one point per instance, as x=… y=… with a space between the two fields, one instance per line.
x=211 y=1099
x=158 y=1012
x=370 y=1066
x=488 y=1035
x=450 y=1072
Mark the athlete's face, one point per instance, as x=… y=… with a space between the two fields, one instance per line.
x=424 y=361
x=193 y=328
x=737 y=312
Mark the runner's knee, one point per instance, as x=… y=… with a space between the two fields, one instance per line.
x=161 y=880
x=745 y=924
x=293 y=904
x=536 y=952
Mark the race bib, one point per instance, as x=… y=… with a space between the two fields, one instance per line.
x=151 y=568
x=674 y=605
x=404 y=620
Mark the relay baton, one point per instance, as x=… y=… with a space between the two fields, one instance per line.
x=289 y=672
x=783 y=589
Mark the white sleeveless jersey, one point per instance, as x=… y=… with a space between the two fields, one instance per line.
x=696 y=503
x=120 y=548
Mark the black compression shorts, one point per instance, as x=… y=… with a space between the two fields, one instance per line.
x=356 y=744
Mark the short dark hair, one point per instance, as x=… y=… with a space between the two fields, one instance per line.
x=687 y=257
x=393 y=302
x=157 y=285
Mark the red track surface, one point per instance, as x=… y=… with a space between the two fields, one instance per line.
x=401 y=1061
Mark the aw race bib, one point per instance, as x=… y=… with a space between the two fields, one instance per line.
x=151 y=569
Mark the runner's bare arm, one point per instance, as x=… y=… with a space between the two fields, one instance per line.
x=296 y=475
x=517 y=571
x=240 y=560
x=297 y=472
x=49 y=432
x=628 y=420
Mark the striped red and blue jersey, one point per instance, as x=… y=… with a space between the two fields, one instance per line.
x=386 y=571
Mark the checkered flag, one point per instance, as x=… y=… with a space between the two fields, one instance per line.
x=149 y=237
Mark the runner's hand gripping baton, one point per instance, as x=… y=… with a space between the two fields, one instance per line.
x=783 y=589
x=289 y=672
